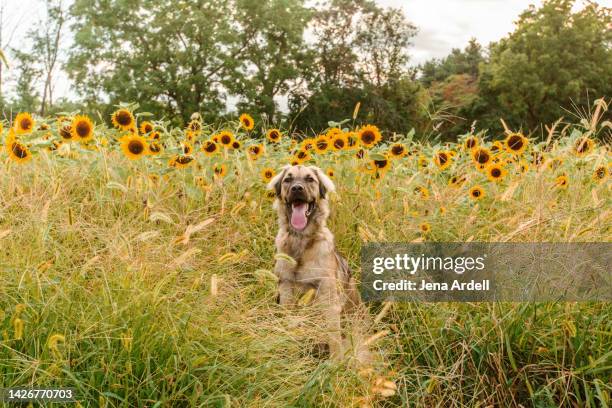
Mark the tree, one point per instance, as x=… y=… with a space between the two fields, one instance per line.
x=458 y=62
x=360 y=54
x=553 y=58
x=271 y=63
x=173 y=57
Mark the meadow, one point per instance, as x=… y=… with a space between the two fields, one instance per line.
x=136 y=263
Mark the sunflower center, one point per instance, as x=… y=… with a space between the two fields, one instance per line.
x=83 y=129
x=19 y=151
x=582 y=145
x=339 y=143
x=368 y=137
x=135 y=147
x=470 y=143
x=154 y=147
x=210 y=147
x=184 y=160
x=380 y=164
x=442 y=158
x=397 y=150
x=65 y=132
x=124 y=118
x=482 y=157
x=25 y=124
x=515 y=142
x=495 y=172
x=476 y=193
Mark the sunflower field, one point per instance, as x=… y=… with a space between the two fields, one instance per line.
x=137 y=260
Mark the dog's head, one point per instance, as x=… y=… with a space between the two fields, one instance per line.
x=301 y=192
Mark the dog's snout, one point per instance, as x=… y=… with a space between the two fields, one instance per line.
x=297 y=188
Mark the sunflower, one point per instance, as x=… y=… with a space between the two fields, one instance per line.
x=65 y=132
x=247 y=121
x=302 y=156
x=18 y=152
x=155 y=148
x=81 y=128
x=267 y=174
x=133 y=146
x=369 y=135
x=146 y=127
x=516 y=143
x=397 y=151
x=308 y=144
x=423 y=162
x=274 y=135
x=154 y=135
x=470 y=143
x=220 y=170
x=254 y=151
x=497 y=146
x=476 y=193
x=555 y=163
x=352 y=140
x=330 y=173
x=496 y=172
x=382 y=165
x=321 y=144
x=442 y=160
x=209 y=148
x=561 y=182
x=481 y=156
x=424 y=227
x=195 y=126
x=236 y=144
x=456 y=181
x=123 y=119
x=523 y=167
x=24 y=123
x=583 y=146
x=55 y=145
x=600 y=173
x=360 y=154
x=338 y=141
x=422 y=191
x=181 y=161
x=225 y=138
x=186 y=147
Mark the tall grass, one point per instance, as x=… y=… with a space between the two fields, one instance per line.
x=155 y=314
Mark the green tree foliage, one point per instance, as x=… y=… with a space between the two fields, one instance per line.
x=360 y=55
x=178 y=57
x=554 y=58
x=271 y=62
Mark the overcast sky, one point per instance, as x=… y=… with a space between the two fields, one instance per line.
x=442 y=24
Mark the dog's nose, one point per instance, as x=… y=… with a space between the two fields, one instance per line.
x=297 y=188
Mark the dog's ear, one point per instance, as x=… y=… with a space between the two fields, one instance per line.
x=325 y=183
x=276 y=182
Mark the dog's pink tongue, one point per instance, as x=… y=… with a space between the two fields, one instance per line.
x=298 y=216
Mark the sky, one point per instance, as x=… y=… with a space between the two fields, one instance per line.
x=442 y=24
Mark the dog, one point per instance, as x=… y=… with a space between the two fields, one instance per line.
x=303 y=209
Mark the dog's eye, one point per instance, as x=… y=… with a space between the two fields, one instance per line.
x=309 y=179
x=287 y=180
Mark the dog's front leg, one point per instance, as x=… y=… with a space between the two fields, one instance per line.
x=330 y=302
x=286 y=283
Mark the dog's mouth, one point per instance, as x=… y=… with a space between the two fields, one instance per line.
x=300 y=210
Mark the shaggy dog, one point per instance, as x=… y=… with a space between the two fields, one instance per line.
x=302 y=207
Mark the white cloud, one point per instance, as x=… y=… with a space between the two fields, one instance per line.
x=447 y=24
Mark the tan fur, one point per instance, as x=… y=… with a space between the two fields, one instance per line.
x=319 y=265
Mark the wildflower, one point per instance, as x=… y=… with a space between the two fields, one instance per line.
x=397 y=151
x=133 y=146
x=583 y=146
x=81 y=128
x=24 y=123
x=476 y=193
x=442 y=160
x=496 y=172
x=209 y=148
x=123 y=119
x=274 y=135
x=247 y=121
x=516 y=143
x=146 y=127
x=267 y=174
x=369 y=135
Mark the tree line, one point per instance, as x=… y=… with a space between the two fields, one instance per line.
x=176 y=57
